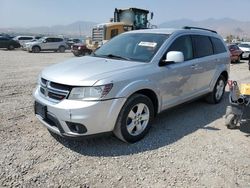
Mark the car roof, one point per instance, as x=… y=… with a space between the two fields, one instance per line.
x=170 y=31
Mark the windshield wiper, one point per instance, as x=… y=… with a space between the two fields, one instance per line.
x=116 y=57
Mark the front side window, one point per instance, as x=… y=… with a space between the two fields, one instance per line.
x=203 y=46
x=4 y=39
x=49 y=40
x=132 y=46
x=114 y=32
x=183 y=44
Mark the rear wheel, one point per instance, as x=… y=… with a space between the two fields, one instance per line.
x=217 y=94
x=134 y=119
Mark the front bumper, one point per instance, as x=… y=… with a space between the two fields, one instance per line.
x=92 y=117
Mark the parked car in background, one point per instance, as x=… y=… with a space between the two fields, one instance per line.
x=71 y=41
x=47 y=44
x=10 y=44
x=129 y=80
x=245 y=47
x=23 y=39
x=235 y=53
x=6 y=35
x=80 y=49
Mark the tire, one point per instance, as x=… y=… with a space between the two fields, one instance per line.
x=231 y=121
x=36 y=49
x=87 y=52
x=11 y=47
x=219 y=89
x=134 y=119
x=61 y=49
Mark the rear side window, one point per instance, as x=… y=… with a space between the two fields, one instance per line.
x=244 y=45
x=218 y=45
x=57 y=39
x=25 y=38
x=184 y=45
x=203 y=46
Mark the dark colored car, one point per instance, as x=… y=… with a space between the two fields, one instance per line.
x=70 y=42
x=235 y=53
x=80 y=49
x=8 y=43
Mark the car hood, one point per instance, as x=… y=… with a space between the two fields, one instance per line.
x=32 y=43
x=87 y=70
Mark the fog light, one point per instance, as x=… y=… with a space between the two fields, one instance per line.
x=76 y=127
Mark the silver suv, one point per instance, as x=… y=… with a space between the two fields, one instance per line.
x=124 y=84
x=47 y=44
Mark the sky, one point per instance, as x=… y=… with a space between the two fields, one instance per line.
x=31 y=13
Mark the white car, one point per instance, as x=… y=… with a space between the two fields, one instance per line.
x=47 y=44
x=23 y=39
x=125 y=83
x=245 y=47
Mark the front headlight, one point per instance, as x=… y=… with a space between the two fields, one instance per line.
x=90 y=93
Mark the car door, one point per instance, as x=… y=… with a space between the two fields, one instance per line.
x=178 y=79
x=3 y=42
x=205 y=65
x=47 y=44
x=57 y=43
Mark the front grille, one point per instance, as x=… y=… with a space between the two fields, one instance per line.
x=54 y=90
x=98 y=34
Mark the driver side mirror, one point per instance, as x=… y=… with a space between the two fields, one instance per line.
x=172 y=57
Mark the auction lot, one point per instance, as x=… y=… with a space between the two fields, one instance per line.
x=188 y=146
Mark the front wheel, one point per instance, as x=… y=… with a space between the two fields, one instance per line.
x=217 y=94
x=11 y=47
x=36 y=49
x=134 y=119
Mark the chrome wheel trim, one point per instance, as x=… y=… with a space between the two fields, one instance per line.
x=137 y=119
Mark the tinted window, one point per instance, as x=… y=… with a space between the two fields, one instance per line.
x=114 y=32
x=3 y=39
x=218 y=45
x=25 y=38
x=57 y=39
x=244 y=45
x=203 y=46
x=184 y=45
x=49 y=39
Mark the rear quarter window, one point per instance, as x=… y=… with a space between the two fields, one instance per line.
x=218 y=46
x=202 y=46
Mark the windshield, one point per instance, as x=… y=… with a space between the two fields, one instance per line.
x=132 y=46
x=41 y=39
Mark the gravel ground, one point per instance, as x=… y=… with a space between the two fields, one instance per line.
x=188 y=146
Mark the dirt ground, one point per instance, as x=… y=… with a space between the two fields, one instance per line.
x=188 y=146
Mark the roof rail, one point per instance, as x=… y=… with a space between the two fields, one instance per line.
x=190 y=27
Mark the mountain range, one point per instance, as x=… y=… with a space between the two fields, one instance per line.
x=224 y=27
